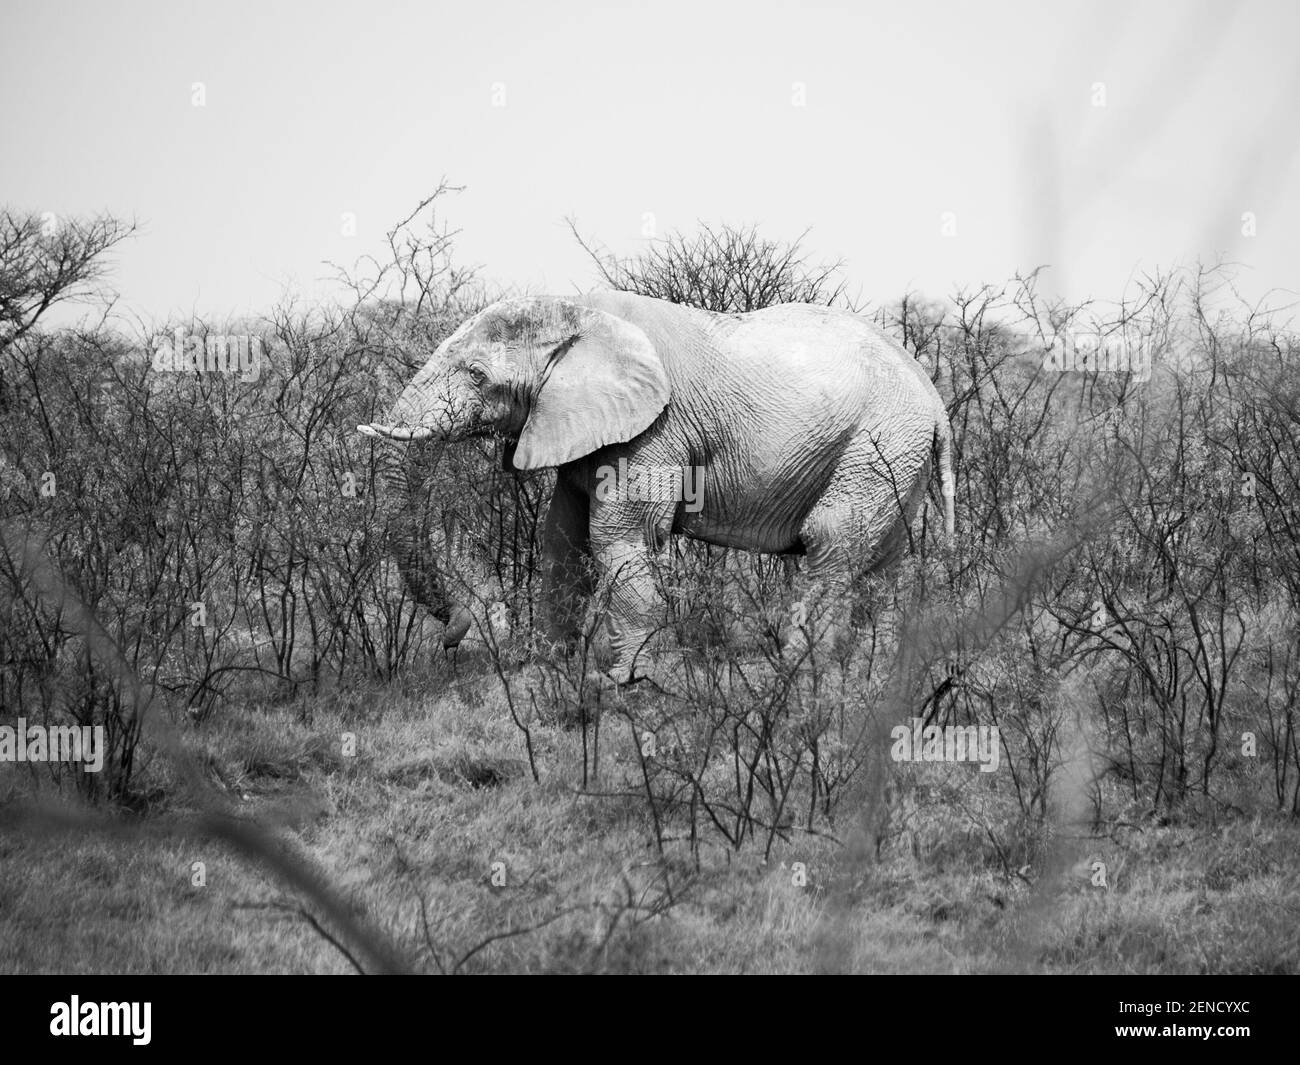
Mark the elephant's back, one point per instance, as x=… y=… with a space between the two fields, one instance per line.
x=829 y=349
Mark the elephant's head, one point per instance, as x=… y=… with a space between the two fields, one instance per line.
x=559 y=378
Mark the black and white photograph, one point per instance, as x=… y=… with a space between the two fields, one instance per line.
x=715 y=488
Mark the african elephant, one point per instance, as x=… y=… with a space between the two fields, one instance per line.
x=798 y=430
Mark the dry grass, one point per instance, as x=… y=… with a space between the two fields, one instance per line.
x=410 y=826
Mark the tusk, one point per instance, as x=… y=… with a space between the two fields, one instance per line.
x=393 y=432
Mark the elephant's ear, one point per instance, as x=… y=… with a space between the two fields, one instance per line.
x=604 y=386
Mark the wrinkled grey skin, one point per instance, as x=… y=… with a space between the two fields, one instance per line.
x=813 y=430
x=409 y=529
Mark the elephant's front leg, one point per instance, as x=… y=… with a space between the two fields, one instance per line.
x=627 y=594
x=567 y=565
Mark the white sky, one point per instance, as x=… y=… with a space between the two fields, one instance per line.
x=682 y=110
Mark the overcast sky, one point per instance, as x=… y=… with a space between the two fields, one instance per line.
x=865 y=121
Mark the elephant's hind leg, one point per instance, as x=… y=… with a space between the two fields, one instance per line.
x=827 y=535
x=896 y=539
x=859 y=525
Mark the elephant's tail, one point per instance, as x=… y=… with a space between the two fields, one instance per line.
x=947 y=484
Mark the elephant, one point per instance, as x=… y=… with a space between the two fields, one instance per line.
x=795 y=429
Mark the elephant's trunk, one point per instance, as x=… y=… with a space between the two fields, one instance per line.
x=426 y=409
x=409 y=531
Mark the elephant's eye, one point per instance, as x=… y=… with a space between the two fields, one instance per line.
x=477 y=376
